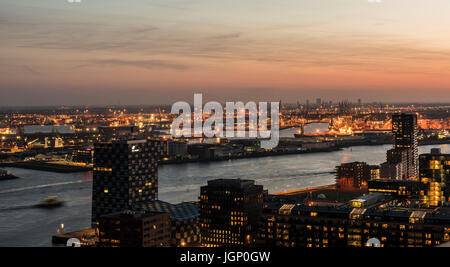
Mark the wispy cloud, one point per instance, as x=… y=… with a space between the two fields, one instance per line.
x=31 y=70
x=227 y=36
x=214 y=43
x=294 y=45
x=146 y=64
x=9 y=67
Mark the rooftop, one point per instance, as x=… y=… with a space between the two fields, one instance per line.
x=133 y=214
x=178 y=212
x=235 y=183
x=435 y=216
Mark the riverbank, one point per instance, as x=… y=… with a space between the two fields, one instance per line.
x=280 y=151
x=261 y=154
x=337 y=146
x=46 y=166
x=82 y=235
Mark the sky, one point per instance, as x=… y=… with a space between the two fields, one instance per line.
x=109 y=52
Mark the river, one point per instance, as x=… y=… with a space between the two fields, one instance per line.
x=23 y=225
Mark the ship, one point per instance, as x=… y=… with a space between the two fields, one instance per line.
x=50 y=202
x=4 y=175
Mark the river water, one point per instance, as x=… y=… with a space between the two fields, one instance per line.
x=23 y=225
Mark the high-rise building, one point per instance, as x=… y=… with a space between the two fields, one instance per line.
x=435 y=175
x=355 y=175
x=125 y=174
x=403 y=161
x=405 y=129
x=230 y=210
x=135 y=229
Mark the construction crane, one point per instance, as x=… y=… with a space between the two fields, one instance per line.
x=30 y=144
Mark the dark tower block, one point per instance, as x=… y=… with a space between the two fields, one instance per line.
x=405 y=129
x=230 y=211
x=125 y=174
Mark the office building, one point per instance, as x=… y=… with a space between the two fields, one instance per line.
x=125 y=173
x=230 y=210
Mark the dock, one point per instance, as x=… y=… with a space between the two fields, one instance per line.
x=46 y=166
x=84 y=235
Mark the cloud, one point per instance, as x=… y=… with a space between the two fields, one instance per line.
x=26 y=27
x=31 y=70
x=227 y=36
x=146 y=64
x=295 y=46
x=10 y=68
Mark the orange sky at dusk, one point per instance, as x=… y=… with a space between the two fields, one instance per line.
x=157 y=52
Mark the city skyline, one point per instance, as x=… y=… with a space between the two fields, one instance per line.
x=153 y=52
x=248 y=126
x=347 y=175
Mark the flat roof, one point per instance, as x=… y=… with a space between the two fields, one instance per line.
x=179 y=212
